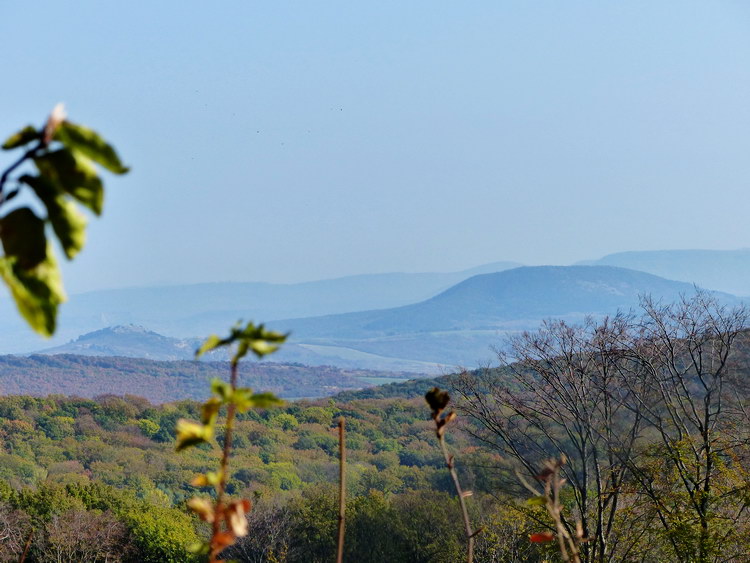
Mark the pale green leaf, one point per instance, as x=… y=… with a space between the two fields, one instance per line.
x=23 y=137
x=244 y=399
x=191 y=433
x=210 y=411
x=89 y=143
x=68 y=223
x=265 y=400
x=221 y=388
x=263 y=347
x=211 y=343
x=38 y=291
x=73 y=173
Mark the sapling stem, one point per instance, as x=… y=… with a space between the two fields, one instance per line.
x=342 y=490
x=438 y=400
x=221 y=488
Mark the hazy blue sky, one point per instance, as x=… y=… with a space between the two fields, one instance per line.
x=293 y=141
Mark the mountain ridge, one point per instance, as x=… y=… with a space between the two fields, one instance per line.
x=720 y=270
x=460 y=325
x=184 y=311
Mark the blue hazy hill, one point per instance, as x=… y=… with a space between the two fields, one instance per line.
x=721 y=270
x=459 y=326
x=185 y=311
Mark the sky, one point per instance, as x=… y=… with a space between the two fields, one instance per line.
x=293 y=141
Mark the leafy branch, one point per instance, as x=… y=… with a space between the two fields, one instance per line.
x=63 y=155
x=227 y=519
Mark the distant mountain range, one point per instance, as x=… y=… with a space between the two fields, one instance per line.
x=722 y=270
x=460 y=325
x=456 y=327
x=190 y=310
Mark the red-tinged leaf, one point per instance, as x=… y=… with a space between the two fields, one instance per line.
x=541 y=537
x=222 y=540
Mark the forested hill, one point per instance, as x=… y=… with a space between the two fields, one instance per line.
x=86 y=376
x=410 y=389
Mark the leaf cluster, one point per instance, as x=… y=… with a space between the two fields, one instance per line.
x=63 y=155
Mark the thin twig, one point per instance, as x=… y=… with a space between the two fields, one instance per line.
x=449 y=462
x=31 y=153
x=438 y=400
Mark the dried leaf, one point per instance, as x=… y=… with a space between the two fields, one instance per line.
x=234 y=515
x=203 y=508
x=541 y=537
x=437 y=399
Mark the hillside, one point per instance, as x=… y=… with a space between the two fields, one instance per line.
x=134 y=341
x=458 y=326
x=187 y=311
x=721 y=270
x=86 y=376
x=129 y=341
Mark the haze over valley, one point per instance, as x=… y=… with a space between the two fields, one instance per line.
x=417 y=324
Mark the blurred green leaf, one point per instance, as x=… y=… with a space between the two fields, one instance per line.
x=191 y=433
x=537 y=501
x=199 y=548
x=210 y=478
x=263 y=347
x=22 y=233
x=211 y=343
x=67 y=221
x=73 y=173
x=251 y=337
x=37 y=291
x=210 y=410
x=222 y=389
x=89 y=143
x=244 y=399
x=23 y=137
x=265 y=400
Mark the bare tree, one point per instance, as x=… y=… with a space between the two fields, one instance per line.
x=271 y=537
x=15 y=526
x=555 y=400
x=688 y=383
x=650 y=412
x=83 y=536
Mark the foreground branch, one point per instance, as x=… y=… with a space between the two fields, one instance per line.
x=438 y=400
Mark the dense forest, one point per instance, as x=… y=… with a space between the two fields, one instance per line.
x=642 y=420
x=165 y=381
x=77 y=469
